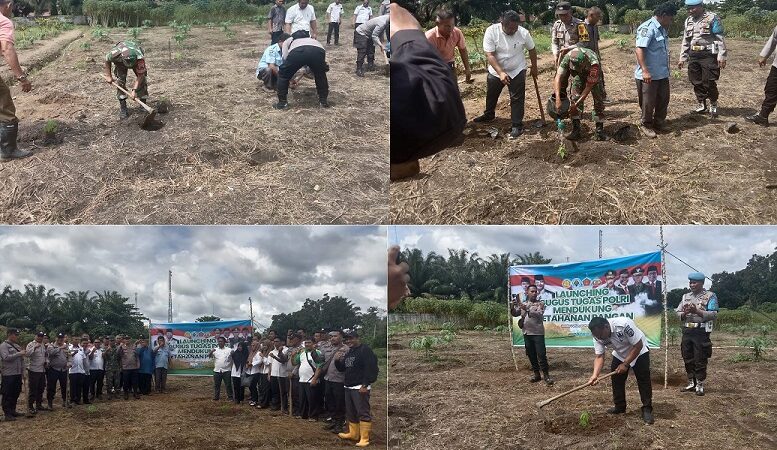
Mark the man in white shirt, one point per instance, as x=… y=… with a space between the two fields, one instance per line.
x=504 y=44
x=362 y=14
x=222 y=369
x=301 y=20
x=279 y=377
x=334 y=14
x=96 y=370
x=79 y=374
x=630 y=350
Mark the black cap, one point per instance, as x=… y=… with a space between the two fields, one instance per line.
x=525 y=279
x=60 y=335
x=652 y=269
x=609 y=273
x=563 y=6
x=539 y=277
x=636 y=271
x=626 y=271
x=350 y=333
x=13 y=331
x=40 y=334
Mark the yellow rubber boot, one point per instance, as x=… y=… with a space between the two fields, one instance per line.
x=353 y=432
x=364 y=427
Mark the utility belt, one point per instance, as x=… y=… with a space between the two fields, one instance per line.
x=693 y=325
x=701 y=48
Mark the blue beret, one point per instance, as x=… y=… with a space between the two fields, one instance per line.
x=696 y=276
x=693 y=2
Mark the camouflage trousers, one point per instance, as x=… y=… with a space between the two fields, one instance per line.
x=7 y=108
x=120 y=73
x=597 y=92
x=112 y=378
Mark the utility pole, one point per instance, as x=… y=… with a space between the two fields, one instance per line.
x=136 y=300
x=600 y=244
x=251 y=309
x=169 y=296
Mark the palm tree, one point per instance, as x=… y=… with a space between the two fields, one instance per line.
x=530 y=259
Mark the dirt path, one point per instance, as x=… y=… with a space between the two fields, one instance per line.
x=472 y=397
x=697 y=173
x=223 y=156
x=184 y=418
x=43 y=52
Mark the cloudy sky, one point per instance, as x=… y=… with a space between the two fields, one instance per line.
x=710 y=249
x=215 y=269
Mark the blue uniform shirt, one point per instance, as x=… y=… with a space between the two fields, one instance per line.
x=654 y=40
x=271 y=55
x=161 y=357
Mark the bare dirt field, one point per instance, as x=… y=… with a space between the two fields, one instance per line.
x=224 y=154
x=184 y=418
x=695 y=173
x=473 y=397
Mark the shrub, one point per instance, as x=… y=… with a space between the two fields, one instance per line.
x=425 y=343
x=488 y=313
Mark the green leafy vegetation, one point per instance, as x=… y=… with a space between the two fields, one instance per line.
x=585 y=419
x=51 y=126
x=41 y=29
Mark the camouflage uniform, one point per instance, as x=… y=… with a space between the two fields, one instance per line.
x=128 y=55
x=583 y=65
x=702 y=48
x=112 y=370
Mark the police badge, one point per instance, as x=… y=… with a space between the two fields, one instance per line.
x=629 y=331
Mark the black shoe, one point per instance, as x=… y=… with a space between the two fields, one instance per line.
x=359 y=72
x=370 y=67
x=701 y=108
x=9 y=418
x=16 y=414
x=616 y=410
x=516 y=132
x=575 y=133
x=537 y=377
x=8 y=146
x=599 y=134
x=548 y=380
x=123 y=111
x=280 y=105
x=483 y=118
x=758 y=119
x=126 y=396
x=647 y=415
x=323 y=103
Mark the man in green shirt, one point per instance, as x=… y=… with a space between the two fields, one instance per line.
x=582 y=65
x=127 y=55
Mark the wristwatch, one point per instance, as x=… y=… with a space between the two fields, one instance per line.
x=22 y=77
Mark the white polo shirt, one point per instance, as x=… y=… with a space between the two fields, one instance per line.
x=278 y=369
x=625 y=335
x=223 y=359
x=97 y=362
x=335 y=11
x=300 y=19
x=507 y=49
x=362 y=13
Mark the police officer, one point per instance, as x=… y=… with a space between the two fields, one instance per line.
x=36 y=374
x=127 y=55
x=637 y=286
x=630 y=350
x=704 y=49
x=770 y=90
x=56 y=372
x=565 y=32
x=11 y=367
x=697 y=311
x=583 y=65
x=533 y=327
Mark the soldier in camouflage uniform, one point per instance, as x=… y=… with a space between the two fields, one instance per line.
x=565 y=32
x=697 y=311
x=112 y=367
x=704 y=49
x=127 y=55
x=583 y=65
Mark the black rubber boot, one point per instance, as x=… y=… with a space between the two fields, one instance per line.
x=51 y=405
x=548 y=379
x=758 y=119
x=359 y=69
x=576 y=132
x=123 y=111
x=370 y=67
x=8 y=147
x=647 y=415
x=616 y=410
x=536 y=377
x=599 y=133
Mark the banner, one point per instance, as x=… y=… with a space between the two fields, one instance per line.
x=190 y=343
x=573 y=293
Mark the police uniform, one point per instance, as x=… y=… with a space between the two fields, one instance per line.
x=583 y=65
x=56 y=372
x=653 y=97
x=624 y=335
x=770 y=89
x=565 y=35
x=124 y=56
x=703 y=48
x=696 y=347
x=589 y=38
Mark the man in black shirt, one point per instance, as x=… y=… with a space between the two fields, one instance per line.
x=427 y=114
x=361 y=370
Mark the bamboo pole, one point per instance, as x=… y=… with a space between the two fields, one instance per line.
x=510 y=321
x=666 y=314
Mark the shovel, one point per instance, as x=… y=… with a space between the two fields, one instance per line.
x=563 y=394
x=148 y=122
x=539 y=123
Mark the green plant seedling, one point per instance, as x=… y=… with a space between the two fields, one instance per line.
x=585 y=419
x=51 y=126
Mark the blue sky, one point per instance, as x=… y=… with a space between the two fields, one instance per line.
x=710 y=249
x=215 y=269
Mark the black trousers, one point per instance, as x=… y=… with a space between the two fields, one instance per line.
x=334 y=28
x=53 y=377
x=218 y=377
x=280 y=393
x=642 y=372
x=535 y=350
x=365 y=48
x=274 y=36
x=11 y=388
x=295 y=397
x=335 y=400
x=263 y=388
x=309 y=403
x=239 y=392
x=770 y=93
x=517 y=89
x=35 y=389
x=310 y=56
x=129 y=381
x=96 y=378
x=357 y=406
x=160 y=379
x=253 y=388
x=653 y=100
x=696 y=349
x=144 y=382
x=79 y=388
x=703 y=72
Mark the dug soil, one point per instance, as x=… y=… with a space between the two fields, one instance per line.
x=697 y=172
x=185 y=417
x=470 y=395
x=224 y=155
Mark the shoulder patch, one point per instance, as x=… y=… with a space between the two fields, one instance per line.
x=629 y=331
x=643 y=33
